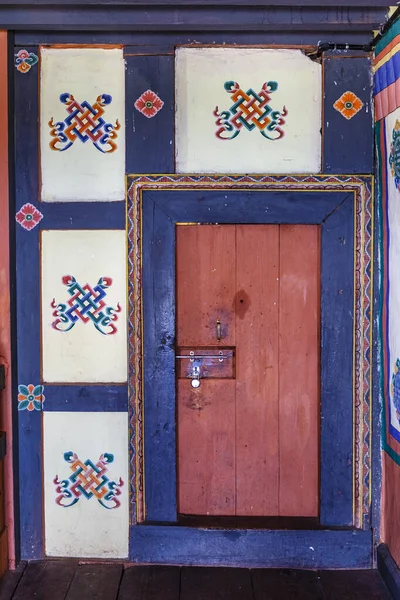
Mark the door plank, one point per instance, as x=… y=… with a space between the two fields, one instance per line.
x=287 y=584
x=299 y=317
x=207 y=583
x=353 y=585
x=47 y=580
x=256 y=308
x=206 y=447
x=205 y=279
x=150 y=583
x=95 y=581
x=205 y=275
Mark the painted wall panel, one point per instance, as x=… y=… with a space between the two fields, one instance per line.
x=247 y=110
x=150 y=119
x=85 y=479
x=348 y=115
x=82 y=124
x=84 y=306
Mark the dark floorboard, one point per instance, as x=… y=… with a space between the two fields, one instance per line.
x=150 y=583
x=210 y=583
x=71 y=580
x=9 y=583
x=274 y=584
x=95 y=581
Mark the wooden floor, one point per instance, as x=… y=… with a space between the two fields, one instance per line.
x=70 y=580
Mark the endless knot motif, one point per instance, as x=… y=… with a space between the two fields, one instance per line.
x=87 y=304
x=84 y=122
x=88 y=480
x=250 y=110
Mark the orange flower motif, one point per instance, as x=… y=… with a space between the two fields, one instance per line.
x=348 y=105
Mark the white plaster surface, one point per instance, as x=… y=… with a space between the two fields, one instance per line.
x=394 y=262
x=81 y=173
x=86 y=529
x=83 y=354
x=200 y=77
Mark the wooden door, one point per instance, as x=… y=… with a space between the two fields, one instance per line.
x=248 y=435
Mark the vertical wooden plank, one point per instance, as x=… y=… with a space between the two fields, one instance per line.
x=159 y=362
x=348 y=137
x=206 y=447
x=299 y=316
x=150 y=131
x=205 y=284
x=206 y=279
x=337 y=336
x=28 y=321
x=256 y=311
x=5 y=309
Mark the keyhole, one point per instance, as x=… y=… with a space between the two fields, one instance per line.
x=241 y=301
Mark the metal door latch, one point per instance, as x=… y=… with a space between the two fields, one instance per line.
x=195 y=383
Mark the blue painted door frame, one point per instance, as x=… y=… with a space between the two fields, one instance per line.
x=159 y=538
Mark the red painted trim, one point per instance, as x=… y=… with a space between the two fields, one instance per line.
x=5 y=328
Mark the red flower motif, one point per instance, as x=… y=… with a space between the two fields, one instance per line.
x=28 y=216
x=149 y=104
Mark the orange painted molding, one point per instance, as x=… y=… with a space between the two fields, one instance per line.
x=5 y=325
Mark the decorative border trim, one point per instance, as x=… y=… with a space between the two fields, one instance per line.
x=361 y=186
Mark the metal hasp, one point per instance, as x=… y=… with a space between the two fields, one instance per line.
x=205 y=363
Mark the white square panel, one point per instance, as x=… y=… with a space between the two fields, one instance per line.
x=86 y=503
x=84 y=311
x=82 y=124
x=247 y=111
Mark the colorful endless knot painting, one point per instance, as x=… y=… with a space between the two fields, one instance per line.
x=88 y=480
x=86 y=304
x=250 y=110
x=394 y=156
x=84 y=122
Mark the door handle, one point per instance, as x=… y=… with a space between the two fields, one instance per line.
x=218 y=330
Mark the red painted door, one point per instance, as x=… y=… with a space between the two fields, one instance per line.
x=248 y=435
